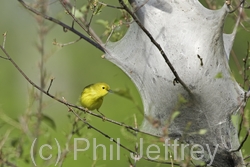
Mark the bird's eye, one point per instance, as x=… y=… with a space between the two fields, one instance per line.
x=103 y=87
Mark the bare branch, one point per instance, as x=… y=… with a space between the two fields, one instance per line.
x=4 y=58
x=50 y=84
x=65 y=44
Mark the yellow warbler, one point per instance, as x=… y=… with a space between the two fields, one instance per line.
x=92 y=96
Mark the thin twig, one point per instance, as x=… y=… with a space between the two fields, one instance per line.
x=4 y=39
x=239 y=6
x=4 y=58
x=245 y=158
x=242 y=143
x=135 y=122
x=65 y=44
x=51 y=81
x=110 y=34
x=65 y=26
x=90 y=20
x=5 y=137
x=177 y=78
x=245 y=79
x=111 y=6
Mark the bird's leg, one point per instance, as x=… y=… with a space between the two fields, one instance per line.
x=103 y=116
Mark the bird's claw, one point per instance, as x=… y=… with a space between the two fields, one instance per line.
x=104 y=118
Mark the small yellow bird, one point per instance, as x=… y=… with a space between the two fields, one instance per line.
x=92 y=96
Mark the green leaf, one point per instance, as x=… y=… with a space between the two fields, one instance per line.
x=77 y=13
x=182 y=100
x=83 y=9
x=202 y=131
x=105 y=23
x=174 y=115
x=49 y=121
x=99 y=9
x=219 y=75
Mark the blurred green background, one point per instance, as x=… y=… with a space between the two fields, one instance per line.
x=72 y=67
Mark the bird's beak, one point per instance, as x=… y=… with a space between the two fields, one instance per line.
x=110 y=91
